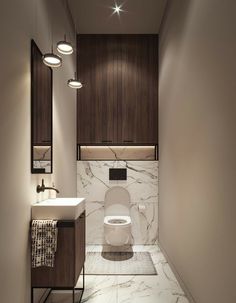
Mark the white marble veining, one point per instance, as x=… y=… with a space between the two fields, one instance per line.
x=100 y=289
x=43 y=164
x=94 y=222
x=42 y=153
x=144 y=227
x=142 y=179
x=117 y=153
x=142 y=185
x=162 y=288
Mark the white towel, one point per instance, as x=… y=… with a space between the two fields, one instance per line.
x=43 y=242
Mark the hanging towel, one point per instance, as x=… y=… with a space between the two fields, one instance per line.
x=43 y=242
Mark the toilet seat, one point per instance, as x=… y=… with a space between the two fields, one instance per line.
x=117 y=220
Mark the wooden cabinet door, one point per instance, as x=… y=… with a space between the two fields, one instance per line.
x=138 y=97
x=62 y=274
x=97 y=100
x=118 y=102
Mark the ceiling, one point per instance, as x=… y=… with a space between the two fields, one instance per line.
x=139 y=16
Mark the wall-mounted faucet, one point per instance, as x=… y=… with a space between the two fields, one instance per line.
x=41 y=188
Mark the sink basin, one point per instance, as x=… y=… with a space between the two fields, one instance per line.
x=58 y=209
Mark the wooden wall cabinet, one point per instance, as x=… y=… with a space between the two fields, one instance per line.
x=119 y=100
x=69 y=259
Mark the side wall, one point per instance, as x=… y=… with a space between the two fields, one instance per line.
x=198 y=145
x=21 y=21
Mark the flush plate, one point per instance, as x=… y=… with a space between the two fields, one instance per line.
x=117 y=174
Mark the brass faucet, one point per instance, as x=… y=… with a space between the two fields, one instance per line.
x=43 y=187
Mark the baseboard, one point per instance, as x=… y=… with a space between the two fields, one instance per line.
x=177 y=275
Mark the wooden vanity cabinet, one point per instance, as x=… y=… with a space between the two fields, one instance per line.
x=69 y=258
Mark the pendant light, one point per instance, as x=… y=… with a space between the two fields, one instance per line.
x=74 y=83
x=64 y=47
x=52 y=60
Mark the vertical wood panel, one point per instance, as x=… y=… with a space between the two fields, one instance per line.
x=69 y=258
x=41 y=99
x=96 y=102
x=118 y=102
x=62 y=274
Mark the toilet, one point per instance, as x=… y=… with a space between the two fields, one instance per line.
x=117 y=221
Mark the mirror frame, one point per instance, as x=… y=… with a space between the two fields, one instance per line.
x=49 y=86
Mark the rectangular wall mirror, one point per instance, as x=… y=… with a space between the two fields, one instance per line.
x=41 y=113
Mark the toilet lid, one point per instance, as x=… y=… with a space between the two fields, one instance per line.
x=116 y=194
x=117 y=201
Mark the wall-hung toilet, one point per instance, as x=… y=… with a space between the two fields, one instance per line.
x=117 y=221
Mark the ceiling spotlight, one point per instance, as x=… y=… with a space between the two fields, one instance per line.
x=64 y=47
x=74 y=83
x=52 y=60
x=117 y=9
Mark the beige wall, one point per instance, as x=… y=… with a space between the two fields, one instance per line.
x=21 y=21
x=198 y=145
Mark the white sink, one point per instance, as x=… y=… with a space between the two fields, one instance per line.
x=58 y=209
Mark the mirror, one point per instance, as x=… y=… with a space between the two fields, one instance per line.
x=41 y=113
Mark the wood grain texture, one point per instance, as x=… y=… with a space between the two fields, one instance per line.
x=62 y=274
x=41 y=98
x=97 y=101
x=119 y=100
x=69 y=258
x=138 y=96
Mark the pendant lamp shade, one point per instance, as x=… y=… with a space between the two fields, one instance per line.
x=64 y=47
x=52 y=60
x=74 y=83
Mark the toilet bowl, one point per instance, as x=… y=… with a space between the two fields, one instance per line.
x=117 y=230
x=117 y=221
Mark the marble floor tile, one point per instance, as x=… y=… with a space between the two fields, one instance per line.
x=100 y=289
x=147 y=289
x=161 y=288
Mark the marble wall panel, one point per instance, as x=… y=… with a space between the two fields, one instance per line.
x=142 y=184
x=142 y=179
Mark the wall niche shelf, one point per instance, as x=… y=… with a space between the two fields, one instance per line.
x=117 y=152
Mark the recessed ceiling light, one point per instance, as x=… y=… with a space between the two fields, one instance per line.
x=117 y=9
